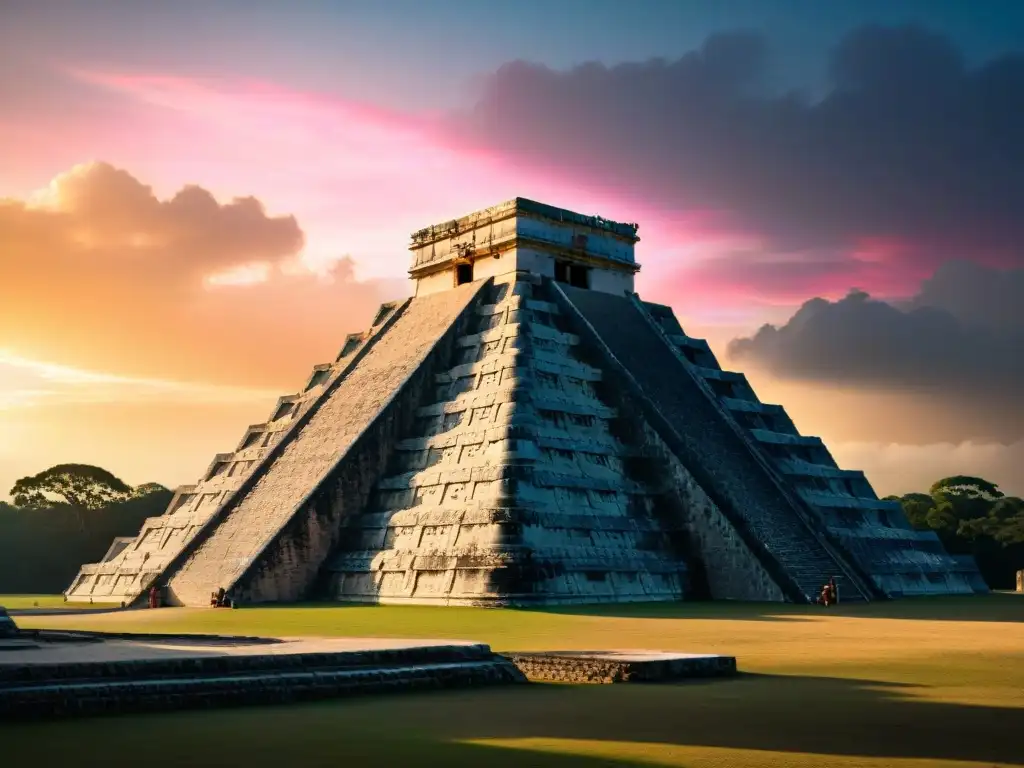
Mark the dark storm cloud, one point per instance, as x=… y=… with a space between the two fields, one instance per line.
x=908 y=141
x=960 y=339
x=977 y=296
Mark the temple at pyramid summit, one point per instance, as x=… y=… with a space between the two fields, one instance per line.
x=525 y=430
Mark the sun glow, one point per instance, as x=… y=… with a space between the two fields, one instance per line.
x=25 y=382
x=242 y=275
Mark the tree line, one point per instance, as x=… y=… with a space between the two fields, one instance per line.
x=973 y=517
x=63 y=517
x=69 y=514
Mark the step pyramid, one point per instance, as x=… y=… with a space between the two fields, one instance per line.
x=513 y=482
x=525 y=430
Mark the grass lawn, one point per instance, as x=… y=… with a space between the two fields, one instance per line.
x=912 y=683
x=46 y=601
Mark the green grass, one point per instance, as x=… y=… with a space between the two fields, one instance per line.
x=912 y=683
x=46 y=601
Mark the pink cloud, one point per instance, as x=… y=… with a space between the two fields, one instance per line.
x=742 y=270
x=360 y=177
x=787 y=279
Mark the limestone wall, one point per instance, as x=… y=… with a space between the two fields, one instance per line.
x=731 y=566
x=711 y=448
x=286 y=569
x=244 y=529
x=725 y=560
x=511 y=488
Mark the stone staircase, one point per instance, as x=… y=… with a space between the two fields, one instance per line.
x=874 y=534
x=511 y=488
x=32 y=691
x=728 y=470
x=251 y=522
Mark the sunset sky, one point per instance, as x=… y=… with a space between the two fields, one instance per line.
x=199 y=200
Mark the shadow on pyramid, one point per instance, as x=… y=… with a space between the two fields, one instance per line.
x=525 y=430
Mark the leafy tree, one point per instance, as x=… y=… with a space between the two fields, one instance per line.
x=147 y=488
x=916 y=506
x=1012 y=533
x=942 y=518
x=1007 y=507
x=971 y=515
x=79 y=485
x=41 y=553
x=1004 y=523
x=967 y=487
x=964 y=498
x=82 y=487
x=81 y=508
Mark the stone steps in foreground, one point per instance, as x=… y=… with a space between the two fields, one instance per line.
x=89 y=675
x=272 y=687
x=55 y=674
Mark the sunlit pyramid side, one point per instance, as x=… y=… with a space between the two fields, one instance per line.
x=525 y=430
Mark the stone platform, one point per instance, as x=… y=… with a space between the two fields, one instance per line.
x=624 y=666
x=46 y=673
x=60 y=674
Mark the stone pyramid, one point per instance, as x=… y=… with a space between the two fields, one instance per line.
x=525 y=430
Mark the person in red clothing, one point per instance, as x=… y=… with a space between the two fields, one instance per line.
x=828 y=594
x=154 y=597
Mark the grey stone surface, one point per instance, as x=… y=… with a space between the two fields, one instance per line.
x=728 y=565
x=122 y=654
x=62 y=679
x=513 y=488
x=727 y=469
x=620 y=666
x=283 y=492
